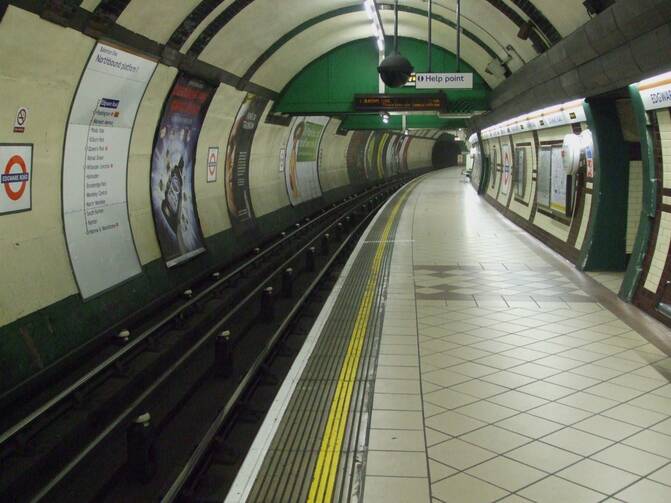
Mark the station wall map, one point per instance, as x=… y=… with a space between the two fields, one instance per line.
x=95 y=162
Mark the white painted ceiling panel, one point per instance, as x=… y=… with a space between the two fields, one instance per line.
x=488 y=23
x=205 y=23
x=323 y=37
x=260 y=24
x=308 y=46
x=156 y=19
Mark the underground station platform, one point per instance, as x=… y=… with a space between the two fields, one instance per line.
x=335 y=251
x=457 y=359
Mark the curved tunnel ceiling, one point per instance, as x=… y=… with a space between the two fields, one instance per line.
x=268 y=42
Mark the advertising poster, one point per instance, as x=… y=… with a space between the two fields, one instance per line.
x=302 y=159
x=398 y=152
x=404 y=154
x=494 y=160
x=558 y=192
x=238 y=154
x=544 y=176
x=173 y=198
x=369 y=157
x=476 y=175
x=16 y=173
x=381 y=154
x=388 y=157
x=95 y=162
x=356 y=156
x=394 y=154
x=520 y=171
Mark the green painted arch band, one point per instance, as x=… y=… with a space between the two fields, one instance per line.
x=268 y=53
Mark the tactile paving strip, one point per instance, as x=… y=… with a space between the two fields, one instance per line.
x=289 y=465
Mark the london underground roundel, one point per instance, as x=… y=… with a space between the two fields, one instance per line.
x=15 y=178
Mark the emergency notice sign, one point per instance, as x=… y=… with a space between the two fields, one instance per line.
x=16 y=166
x=21 y=120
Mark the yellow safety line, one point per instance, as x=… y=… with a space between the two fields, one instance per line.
x=324 y=476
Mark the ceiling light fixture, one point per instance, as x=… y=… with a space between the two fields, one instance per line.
x=374 y=15
x=657 y=80
x=369 y=10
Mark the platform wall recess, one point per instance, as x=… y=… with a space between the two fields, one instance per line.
x=653 y=291
x=623 y=186
x=521 y=205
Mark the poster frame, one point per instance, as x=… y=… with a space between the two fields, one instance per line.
x=183 y=259
x=63 y=147
x=250 y=226
x=318 y=160
x=520 y=167
x=568 y=196
x=355 y=157
x=494 y=158
x=320 y=156
x=540 y=204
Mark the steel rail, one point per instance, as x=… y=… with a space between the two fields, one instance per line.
x=112 y=359
x=65 y=471
x=203 y=446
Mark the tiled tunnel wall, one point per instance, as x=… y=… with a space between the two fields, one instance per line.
x=657 y=273
x=634 y=203
x=562 y=234
x=42 y=316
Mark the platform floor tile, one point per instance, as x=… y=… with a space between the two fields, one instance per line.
x=508 y=378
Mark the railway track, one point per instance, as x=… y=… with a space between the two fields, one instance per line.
x=151 y=418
